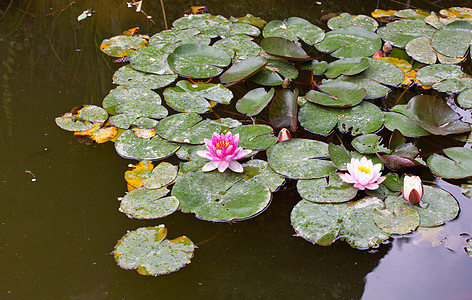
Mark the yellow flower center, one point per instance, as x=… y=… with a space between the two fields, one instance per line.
x=364 y=169
x=221 y=145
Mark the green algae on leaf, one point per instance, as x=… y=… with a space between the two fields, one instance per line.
x=147 y=250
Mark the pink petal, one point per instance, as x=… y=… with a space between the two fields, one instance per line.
x=222 y=165
x=235 y=166
x=372 y=186
x=347 y=178
x=205 y=154
x=359 y=186
x=210 y=166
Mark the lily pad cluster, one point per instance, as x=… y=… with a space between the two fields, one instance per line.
x=171 y=95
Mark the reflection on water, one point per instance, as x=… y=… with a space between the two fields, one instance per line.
x=56 y=233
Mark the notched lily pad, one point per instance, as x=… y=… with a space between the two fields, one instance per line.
x=369 y=144
x=128 y=145
x=82 y=117
x=401 y=32
x=274 y=72
x=293 y=29
x=162 y=175
x=239 y=47
x=326 y=190
x=348 y=20
x=122 y=45
x=453 y=39
x=131 y=78
x=147 y=250
x=142 y=203
x=350 y=42
x=337 y=94
x=281 y=47
x=255 y=137
x=457 y=164
x=254 y=101
x=261 y=170
x=243 y=70
x=347 y=66
x=402 y=220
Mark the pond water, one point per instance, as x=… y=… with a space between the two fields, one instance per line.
x=59 y=218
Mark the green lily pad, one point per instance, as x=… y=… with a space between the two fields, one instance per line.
x=402 y=220
x=324 y=223
x=147 y=250
x=260 y=169
x=239 y=47
x=207 y=24
x=337 y=94
x=255 y=137
x=216 y=196
x=348 y=20
x=454 y=85
x=162 y=175
x=238 y=29
x=281 y=47
x=194 y=161
x=437 y=206
x=369 y=144
x=433 y=115
x=322 y=190
x=82 y=117
x=198 y=61
x=350 y=42
x=283 y=109
x=150 y=60
x=405 y=125
x=274 y=73
x=360 y=119
x=420 y=49
x=465 y=98
x=469 y=247
x=142 y=203
x=128 y=145
x=145 y=123
x=317 y=67
x=122 y=45
x=347 y=66
x=254 y=101
x=188 y=97
x=399 y=33
x=187 y=128
x=70 y=123
x=243 y=70
x=168 y=40
x=300 y=159
x=121 y=95
x=434 y=74
x=92 y=113
x=293 y=29
x=339 y=155
x=131 y=78
x=393 y=182
x=453 y=39
x=457 y=164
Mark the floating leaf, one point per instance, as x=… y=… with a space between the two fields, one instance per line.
x=254 y=101
x=162 y=175
x=469 y=247
x=188 y=97
x=274 y=73
x=82 y=117
x=239 y=47
x=300 y=159
x=317 y=67
x=405 y=125
x=138 y=173
x=187 y=128
x=168 y=40
x=458 y=163
x=401 y=32
x=339 y=155
x=207 y=24
x=143 y=203
x=350 y=42
x=255 y=137
x=293 y=29
x=70 y=123
x=433 y=115
x=465 y=98
x=360 y=119
x=147 y=250
x=216 y=196
x=260 y=169
x=283 y=109
x=420 y=49
x=322 y=190
x=122 y=95
x=243 y=70
x=96 y=135
x=250 y=19
x=238 y=29
x=150 y=60
x=348 y=20
x=437 y=206
x=132 y=78
x=347 y=66
x=122 y=45
x=337 y=94
x=434 y=74
x=284 y=48
x=453 y=39
x=128 y=145
x=324 y=223
x=198 y=61
x=402 y=220
x=369 y=144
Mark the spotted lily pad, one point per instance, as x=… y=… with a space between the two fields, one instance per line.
x=216 y=196
x=337 y=94
x=198 y=61
x=293 y=29
x=339 y=155
x=255 y=137
x=457 y=164
x=348 y=20
x=239 y=47
x=369 y=144
x=350 y=42
x=401 y=32
x=453 y=39
x=431 y=76
x=281 y=47
x=138 y=174
x=274 y=73
x=147 y=250
x=150 y=60
x=82 y=117
x=469 y=247
x=129 y=145
x=420 y=49
x=243 y=70
x=187 y=128
x=261 y=170
x=131 y=78
x=168 y=40
x=162 y=175
x=100 y=133
x=207 y=24
x=300 y=159
x=142 y=203
x=360 y=119
x=326 y=190
x=122 y=45
x=405 y=125
x=402 y=220
x=347 y=66
x=188 y=97
x=322 y=224
x=254 y=101
x=435 y=208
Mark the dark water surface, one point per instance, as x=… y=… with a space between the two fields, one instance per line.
x=57 y=233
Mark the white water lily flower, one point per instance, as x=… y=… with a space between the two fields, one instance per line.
x=364 y=174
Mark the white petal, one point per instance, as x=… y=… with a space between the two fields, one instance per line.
x=235 y=166
x=210 y=166
x=222 y=165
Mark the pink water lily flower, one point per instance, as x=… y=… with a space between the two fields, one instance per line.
x=223 y=151
x=364 y=174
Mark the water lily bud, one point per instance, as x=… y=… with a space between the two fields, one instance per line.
x=412 y=189
x=387 y=48
x=286 y=83
x=284 y=135
x=378 y=54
